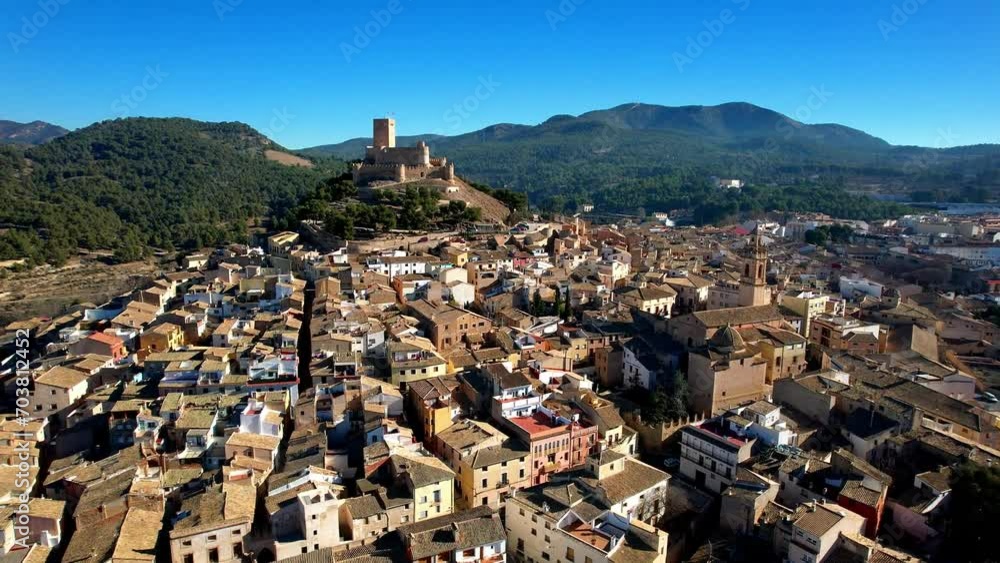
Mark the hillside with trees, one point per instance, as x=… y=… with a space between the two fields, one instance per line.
x=135 y=184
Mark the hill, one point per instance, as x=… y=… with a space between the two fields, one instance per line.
x=126 y=185
x=34 y=133
x=660 y=158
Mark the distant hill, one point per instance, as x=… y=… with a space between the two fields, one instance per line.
x=34 y=133
x=649 y=156
x=128 y=183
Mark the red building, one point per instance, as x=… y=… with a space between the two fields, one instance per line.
x=101 y=344
x=861 y=499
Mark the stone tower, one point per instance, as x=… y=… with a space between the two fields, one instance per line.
x=753 y=281
x=384 y=134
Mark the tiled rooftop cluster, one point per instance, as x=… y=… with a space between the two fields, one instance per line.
x=563 y=390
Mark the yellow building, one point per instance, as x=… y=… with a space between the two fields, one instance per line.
x=488 y=463
x=806 y=304
x=457 y=256
x=432 y=483
x=434 y=404
x=164 y=337
x=783 y=350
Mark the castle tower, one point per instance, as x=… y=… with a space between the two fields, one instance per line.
x=753 y=281
x=384 y=133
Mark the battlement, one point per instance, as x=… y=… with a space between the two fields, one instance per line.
x=385 y=162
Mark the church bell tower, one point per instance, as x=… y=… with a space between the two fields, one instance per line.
x=753 y=281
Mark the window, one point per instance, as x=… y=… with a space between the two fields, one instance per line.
x=237 y=549
x=212 y=538
x=213 y=555
x=188 y=558
x=186 y=543
x=570 y=554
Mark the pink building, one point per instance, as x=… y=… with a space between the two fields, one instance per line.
x=557 y=443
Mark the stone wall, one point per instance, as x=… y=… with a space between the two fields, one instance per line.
x=654 y=439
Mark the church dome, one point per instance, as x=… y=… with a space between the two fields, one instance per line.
x=727 y=339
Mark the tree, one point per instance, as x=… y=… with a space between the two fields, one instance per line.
x=679 y=396
x=131 y=248
x=974 y=512
x=817 y=236
x=655 y=407
x=537 y=305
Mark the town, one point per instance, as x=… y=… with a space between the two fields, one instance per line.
x=561 y=389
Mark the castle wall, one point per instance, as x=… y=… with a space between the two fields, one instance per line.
x=409 y=156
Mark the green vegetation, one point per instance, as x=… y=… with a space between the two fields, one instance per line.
x=663 y=405
x=413 y=208
x=128 y=185
x=824 y=234
x=974 y=510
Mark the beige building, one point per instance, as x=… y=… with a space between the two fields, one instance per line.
x=814 y=529
x=651 y=300
x=726 y=373
x=409 y=362
x=212 y=525
x=57 y=391
x=571 y=520
x=848 y=334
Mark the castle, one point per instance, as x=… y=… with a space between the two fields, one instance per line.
x=385 y=162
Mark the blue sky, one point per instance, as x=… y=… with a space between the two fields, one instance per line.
x=921 y=72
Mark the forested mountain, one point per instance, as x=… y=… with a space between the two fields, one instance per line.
x=34 y=133
x=660 y=158
x=127 y=184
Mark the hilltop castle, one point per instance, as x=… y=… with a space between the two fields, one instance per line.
x=385 y=162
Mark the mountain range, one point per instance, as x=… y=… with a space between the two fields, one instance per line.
x=34 y=133
x=607 y=150
x=131 y=184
